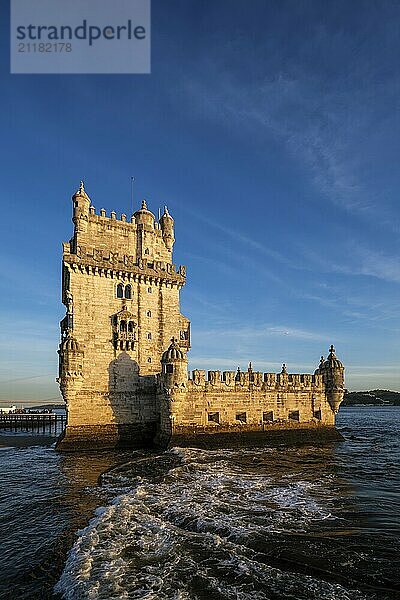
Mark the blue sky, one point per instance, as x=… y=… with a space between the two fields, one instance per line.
x=271 y=130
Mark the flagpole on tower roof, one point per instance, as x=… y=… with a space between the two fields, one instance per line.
x=132 y=196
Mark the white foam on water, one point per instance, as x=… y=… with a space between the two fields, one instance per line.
x=188 y=532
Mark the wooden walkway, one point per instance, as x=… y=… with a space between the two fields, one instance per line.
x=43 y=423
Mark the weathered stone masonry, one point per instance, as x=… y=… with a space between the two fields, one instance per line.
x=123 y=366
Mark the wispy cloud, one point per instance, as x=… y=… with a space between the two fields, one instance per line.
x=321 y=127
x=373 y=264
x=263 y=331
x=354 y=259
x=224 y=363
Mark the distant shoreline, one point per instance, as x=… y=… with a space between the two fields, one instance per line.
x=372 y=398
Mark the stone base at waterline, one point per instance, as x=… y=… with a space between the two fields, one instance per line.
x=104 y=437
x=235 y=437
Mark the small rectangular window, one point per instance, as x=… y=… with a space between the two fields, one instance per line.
x=213 y=417
x=242 y=417
x=149 y=290
x=317 y=414
x=169 y=368
x=294 y=415
x=268 y=416
x=149 y=336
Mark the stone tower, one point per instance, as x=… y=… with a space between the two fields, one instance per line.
x=121 y=292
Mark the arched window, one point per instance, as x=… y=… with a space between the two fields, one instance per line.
x=120 y=290
x=149 y=313
x=149 y=336
x=128 y=292
x=122 y=326
x=147 y=251
x=149 y=290
x=149 y=360
x=130 y=327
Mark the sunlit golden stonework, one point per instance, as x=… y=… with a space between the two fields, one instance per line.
x=123 y=364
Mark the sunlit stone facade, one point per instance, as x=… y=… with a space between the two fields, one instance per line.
x=123 y=364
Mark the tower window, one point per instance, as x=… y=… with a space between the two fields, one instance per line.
x=213 y=417
x=147 y=251
x=149 y=336
x=124 y=336
x=149 y=290
x=169 y=368
x=268 y=416
x=124 y=291
x=149 y=360
x=242 y=417
x=149 y=313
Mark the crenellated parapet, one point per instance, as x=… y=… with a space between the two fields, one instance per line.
x=140 y=237
x=96 y=261
x=253 y=380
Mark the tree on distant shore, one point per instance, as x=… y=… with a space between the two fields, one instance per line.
x=374 y=397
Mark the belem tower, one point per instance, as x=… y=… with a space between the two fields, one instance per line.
x=123 y=352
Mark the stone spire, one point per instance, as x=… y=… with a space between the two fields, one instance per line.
x=81 y=191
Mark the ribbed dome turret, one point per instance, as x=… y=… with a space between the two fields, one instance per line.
x=173 y=353
x=332 y=362
x=166 y=217
x=332 y=371
x=81 y=192
x=144 y=216
x=167 y=228
x=70 y=344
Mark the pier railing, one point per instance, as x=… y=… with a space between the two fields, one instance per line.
x=39 y=423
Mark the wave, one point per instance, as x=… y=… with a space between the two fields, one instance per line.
x=191 y=524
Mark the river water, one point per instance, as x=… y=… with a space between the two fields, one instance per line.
x=309 y=522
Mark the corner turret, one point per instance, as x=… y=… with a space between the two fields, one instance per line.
x=167 y=228
x=332 y=371
x=174 y=366
x=81 y=205
x=70 y=363
x=144 y=217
